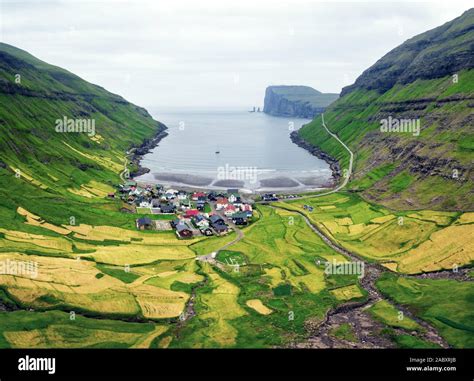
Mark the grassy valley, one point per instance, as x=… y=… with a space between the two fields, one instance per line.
x=97 y=280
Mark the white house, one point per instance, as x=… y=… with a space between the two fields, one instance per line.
x=145 y=204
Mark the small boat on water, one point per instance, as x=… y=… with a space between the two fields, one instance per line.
x=218 y=152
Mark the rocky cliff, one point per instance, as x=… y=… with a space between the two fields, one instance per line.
x=428 y=80
x=296 y=101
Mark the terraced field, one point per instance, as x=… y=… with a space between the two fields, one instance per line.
x=278 y=289
x=54 y=329
x=98 y=270
x=405 y=242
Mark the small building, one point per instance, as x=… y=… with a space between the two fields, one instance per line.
x=246 y=208
x=269 y=197
x=197 y=195
x=234 y=197
x=144 y=223
x=145 y=204
x=240 y=218
x=182 y=195
x=167 y=208
x=191 y=213
x=215 y=218
x=200 y=205
x=221 y=203
x=185 y=204
x=200 y=221
x=229 y=210
x=183 y=230
x=212 y=196
x=220 y=228
x=138 y=191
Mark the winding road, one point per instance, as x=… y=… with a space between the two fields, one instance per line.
x=346 y=176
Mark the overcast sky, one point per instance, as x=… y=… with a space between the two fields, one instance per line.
x=215 y=53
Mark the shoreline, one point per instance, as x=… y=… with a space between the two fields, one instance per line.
x=137 y=153
x=280 y=188
x=315 y=151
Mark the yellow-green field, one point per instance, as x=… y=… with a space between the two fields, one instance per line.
x=407 y=242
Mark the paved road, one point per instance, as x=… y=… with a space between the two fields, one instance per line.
x=211 y=257
x=122 y=174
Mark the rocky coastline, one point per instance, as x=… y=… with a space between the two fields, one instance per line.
x=137 y=153
x=315 y=151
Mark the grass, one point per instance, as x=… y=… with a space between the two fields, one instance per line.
x=412 y=342
x=285 y=287
x=344 y=332
x=231 y=257
x=399 y=240
x=55 y=329
x=56 y=214
x=389 y=315
x=119 y=273
x=378 y=173
x=446 y=304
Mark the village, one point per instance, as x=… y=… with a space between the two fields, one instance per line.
x=188 y=213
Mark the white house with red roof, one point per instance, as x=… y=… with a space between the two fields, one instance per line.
x=221 y=203
x=197 y=195
x=229 y=210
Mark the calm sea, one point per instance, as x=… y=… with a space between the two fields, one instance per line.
x=241 y=149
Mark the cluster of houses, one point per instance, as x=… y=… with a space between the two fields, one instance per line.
x=197 y=213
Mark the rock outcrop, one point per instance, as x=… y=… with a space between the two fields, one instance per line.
x=296 y=101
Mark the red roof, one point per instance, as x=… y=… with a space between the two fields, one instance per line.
x=192 y=212
x=199 y=194
x=222 y=200
x=230 y=207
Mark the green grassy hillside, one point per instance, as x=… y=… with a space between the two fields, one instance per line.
x=44 y=170
x=429 y=78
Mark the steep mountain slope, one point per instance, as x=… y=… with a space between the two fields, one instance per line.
x=297 y=101
x=429 y=80
x=37 y=157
